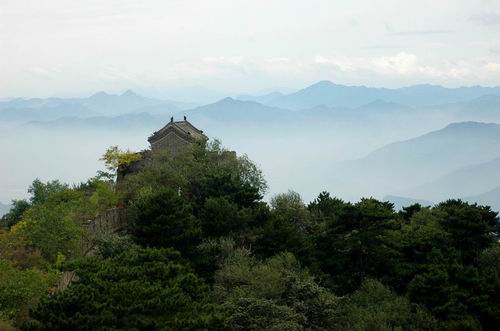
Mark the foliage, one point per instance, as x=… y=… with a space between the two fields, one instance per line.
x=198 y=169
x=115 y=158
x=368 y=267
x=289 y=206
x=21 y=289
x=164 y=219
x=250 y=173
x=289 y=228
x=355 y=243
x=49 y=229
x=472 y=228
x=18 y=252
x=102 y=196
x=273 y=294
x=41 y=192
x=50 y=223
x=221 y=217
x=210 y=255
x=373 y=307
x=282 y=235
x=441 y=268
x=15 y=213
x=138 y=289
x=109 y=245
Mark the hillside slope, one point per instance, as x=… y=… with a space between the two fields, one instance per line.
x=468 y=181
x=400 y=166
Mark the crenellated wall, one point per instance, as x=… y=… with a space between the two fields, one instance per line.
x=111 y=221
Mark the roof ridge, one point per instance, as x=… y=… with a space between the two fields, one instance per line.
x=179 y=127
x=183 y=127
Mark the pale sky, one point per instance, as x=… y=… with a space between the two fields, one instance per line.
x=77 y=47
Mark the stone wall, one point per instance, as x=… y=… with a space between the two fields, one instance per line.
x=109 y=222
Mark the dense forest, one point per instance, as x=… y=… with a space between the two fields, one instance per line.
x=202 y=250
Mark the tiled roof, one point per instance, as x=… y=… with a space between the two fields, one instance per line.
x=183 y=126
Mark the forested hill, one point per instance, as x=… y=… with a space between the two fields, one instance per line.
x=203 y=251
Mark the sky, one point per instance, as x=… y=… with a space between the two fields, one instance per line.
x=78 y=47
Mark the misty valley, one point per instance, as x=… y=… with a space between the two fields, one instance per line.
x=421 y=143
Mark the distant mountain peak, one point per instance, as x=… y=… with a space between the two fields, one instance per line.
x=129 y=93
x=470 y=125
x=100 y=94
x=324 y=83
x=229 y=101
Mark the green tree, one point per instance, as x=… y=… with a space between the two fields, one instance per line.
x=488 y=307
x=280 y=235
x=115 y=158
x=21 y=290
x=356 y=243
x=243 y=194
x=289 y=206
x=472 y=228
x=15 y=213
x=41 y=192
x=50 y=229
x=442 y=250
x=138 y=289
x=221 y=217
x=373 y=307
x=289 y=229
x=164 y=219
x=273 y=294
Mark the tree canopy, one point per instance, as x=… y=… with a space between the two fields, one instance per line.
x=204 y=250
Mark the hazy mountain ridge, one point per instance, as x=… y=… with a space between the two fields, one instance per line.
x=321 y=101
x=45 y=113
x=98 y=104
x=410 y=163
x=264 y=99
x=485 y=108
x=468 y=181
x=138 y=121
x=310 y=143
x=334 y=95
x=233 y=109
x=223 y=111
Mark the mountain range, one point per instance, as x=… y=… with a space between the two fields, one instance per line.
x=419 y=143
x=98 y=104
x=335 y=95
x=234 y=110
x=470 y=180
x=425 y=159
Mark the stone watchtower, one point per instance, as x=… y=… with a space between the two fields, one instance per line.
x=175 y=136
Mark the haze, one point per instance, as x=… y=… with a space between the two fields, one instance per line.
x=75 y=48
x=359 y=98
